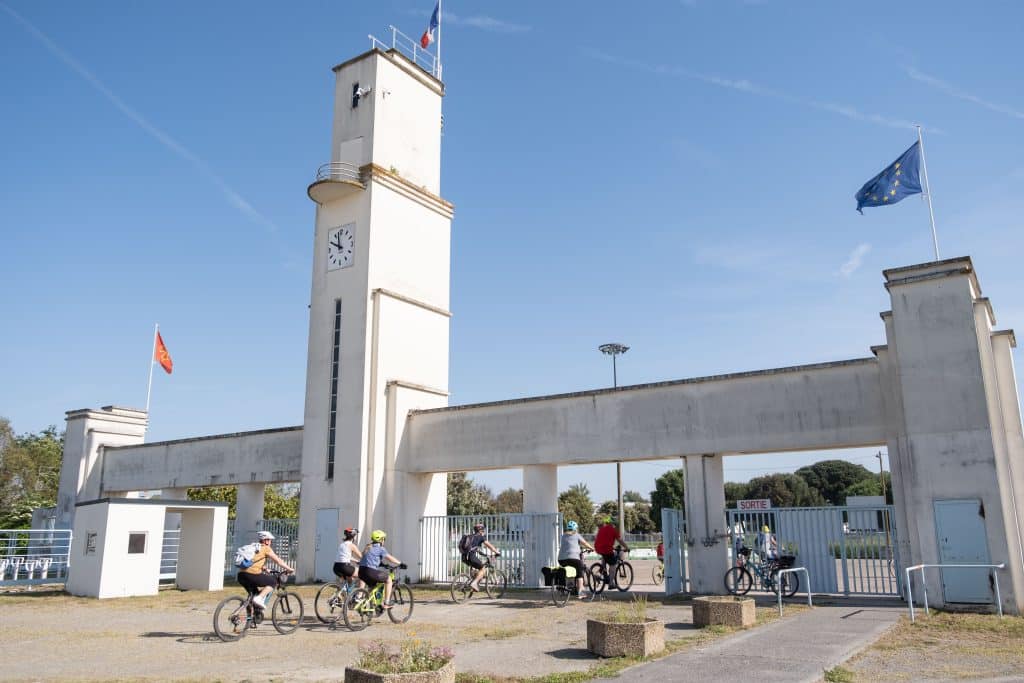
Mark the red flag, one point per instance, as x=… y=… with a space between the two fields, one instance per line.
x=161 y=356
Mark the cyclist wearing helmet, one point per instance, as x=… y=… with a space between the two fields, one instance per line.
x=471 y=556
x=604 y=542
x=570 y=552
x=370 y=570
x=253 y=579
x=343 y=567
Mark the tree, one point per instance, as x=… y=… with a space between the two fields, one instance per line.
x=509 y=500
x=217 y=494
x=668 y=493
x=784 y=490
x=280 y=503
x=633 y=497
x=575 y=505
x=468 y=498
x=29 y=473
x=870 y=487
x=735 y=491
x=832 y=477
x=637 y=516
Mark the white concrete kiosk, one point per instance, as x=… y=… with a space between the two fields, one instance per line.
x=116 y=546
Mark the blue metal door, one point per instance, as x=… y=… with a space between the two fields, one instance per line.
x=960 y=528
x=326 y=546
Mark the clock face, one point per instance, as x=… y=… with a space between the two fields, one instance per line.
x=341 y=244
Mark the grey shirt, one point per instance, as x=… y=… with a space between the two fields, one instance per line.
x=569 y=548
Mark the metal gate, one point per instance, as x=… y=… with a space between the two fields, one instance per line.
x=848 y=550
x=34 y=556
x=673 y=527
x=285 y=544
x=526 y=541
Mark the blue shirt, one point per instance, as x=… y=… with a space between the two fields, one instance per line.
x=373 y=557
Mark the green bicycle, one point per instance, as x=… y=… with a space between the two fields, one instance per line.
x=364 y=604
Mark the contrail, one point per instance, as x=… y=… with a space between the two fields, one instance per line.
x=166 y=140
x=954 y=91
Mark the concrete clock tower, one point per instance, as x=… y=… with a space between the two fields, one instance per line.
x=378 y=327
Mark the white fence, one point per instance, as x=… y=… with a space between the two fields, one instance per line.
x=34 y=556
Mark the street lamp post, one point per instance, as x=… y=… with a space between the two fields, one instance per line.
x=613 y=350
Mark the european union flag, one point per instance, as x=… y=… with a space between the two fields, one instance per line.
x=901 y=178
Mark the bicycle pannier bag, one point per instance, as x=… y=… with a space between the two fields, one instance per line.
x=245 y=554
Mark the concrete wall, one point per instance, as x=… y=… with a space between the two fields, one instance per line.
x=831 y=405
x=270 y=456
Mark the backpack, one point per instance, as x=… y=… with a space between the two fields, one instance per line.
x=466 y=544
x=245 y=554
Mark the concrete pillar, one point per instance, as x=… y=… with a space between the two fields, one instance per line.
x=248 y=512
x=173 y=519
x=540 y=496
x=87 y=432
x=201 y=552
x=707 y=535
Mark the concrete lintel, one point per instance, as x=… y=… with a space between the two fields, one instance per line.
x=1006 y=333
x=235 y=435
x=153 y=501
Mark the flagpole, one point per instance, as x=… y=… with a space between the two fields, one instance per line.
x=439 y=40
x=928 y=192
x=152 y=352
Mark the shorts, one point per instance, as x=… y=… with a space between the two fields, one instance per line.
x=611 y=558
x=577 y=564
x=371 y=577
x=473 y=560
x=344 y=569
x=253 y=582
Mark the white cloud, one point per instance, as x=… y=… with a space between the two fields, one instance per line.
x=954 y=91
x=855 y=261
x=230 y=195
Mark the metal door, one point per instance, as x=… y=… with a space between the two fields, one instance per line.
x=673 y=526
x=960 y=528
x=326 y=544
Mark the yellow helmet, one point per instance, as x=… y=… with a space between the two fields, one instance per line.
x=378 y=536
x=766 y=529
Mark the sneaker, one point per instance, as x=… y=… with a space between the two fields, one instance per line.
x=387 y=605
x=473 y=585
x=259 y=602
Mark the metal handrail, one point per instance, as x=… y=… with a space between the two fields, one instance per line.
x=924 y=584
x=338 y=170
x=807 y=577
x=411 y=48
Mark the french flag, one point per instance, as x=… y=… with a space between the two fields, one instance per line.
x=429 y=35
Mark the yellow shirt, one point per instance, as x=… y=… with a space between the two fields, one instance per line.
x=258 y=560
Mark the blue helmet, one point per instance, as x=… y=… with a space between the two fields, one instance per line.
x=571 y=526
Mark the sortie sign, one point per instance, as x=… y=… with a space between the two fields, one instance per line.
x=754 y=504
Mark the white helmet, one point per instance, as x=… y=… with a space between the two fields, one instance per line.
x=265 y=536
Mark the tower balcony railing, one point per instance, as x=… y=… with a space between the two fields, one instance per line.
x=335 y=180
x=411 y=49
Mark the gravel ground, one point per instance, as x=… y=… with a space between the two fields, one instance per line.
x=52 y=636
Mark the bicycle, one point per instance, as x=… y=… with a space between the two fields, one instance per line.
x=331 y=598
x=494 y=582
x=563 y=585
x=621 y=579
x=363 y=604
x=236 y=616
x=658 y=573
x=739 y=580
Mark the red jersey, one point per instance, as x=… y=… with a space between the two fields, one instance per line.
x=604 y=543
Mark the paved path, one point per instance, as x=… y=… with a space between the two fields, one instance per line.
x=796 y=648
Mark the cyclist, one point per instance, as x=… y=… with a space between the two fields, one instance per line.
x=253 y=579
x=767 y=544
x=570 y=552
x=370 y=571
x=471 y=556
x=604 y=544
x=343 y=567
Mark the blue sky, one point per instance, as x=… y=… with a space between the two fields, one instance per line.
x=675 y=176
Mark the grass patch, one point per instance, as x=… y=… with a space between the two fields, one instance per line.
x=838 y=675
x=632 y=612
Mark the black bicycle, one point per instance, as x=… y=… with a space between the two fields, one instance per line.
x=236 y=616
x=494 y=582
x=740 y=579
x=619 y=575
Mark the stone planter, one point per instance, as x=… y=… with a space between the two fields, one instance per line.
x=723 y=611
x=610 y=639
x=446 y=674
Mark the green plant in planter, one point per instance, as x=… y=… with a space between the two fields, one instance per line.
x=410 y=656
x=632 y=612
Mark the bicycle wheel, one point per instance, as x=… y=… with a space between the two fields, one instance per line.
x=495 y=582
x=461 y=592
x=624 y=576
x=598 y=577
x=658 y=574
x=588 y=587
x=287 y=612
x=560 y=595
x=402 y=603
x=229 y=619
x=328 y=602
x=357 y=610
x=788 y=583
x=738 y=581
